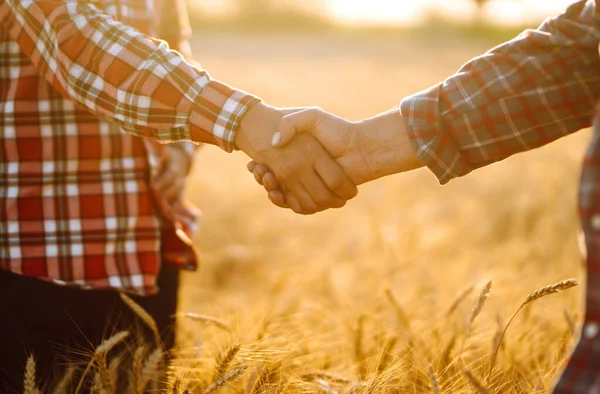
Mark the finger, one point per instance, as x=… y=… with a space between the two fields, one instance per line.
x=250 y=166
x=309 y=205
x=174 y=192
x=293 y=203
x=320 y=193
x=299 y=122
x=164 y=165
x=164 y=180
x=270 y=182
x=336 y=179
x=277 y=198
x=259 y=172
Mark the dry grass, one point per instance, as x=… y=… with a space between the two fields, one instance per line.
x=371 y=298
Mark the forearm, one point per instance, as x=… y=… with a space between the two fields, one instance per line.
x=388 y=149
x=521 y=95
x=122 y=75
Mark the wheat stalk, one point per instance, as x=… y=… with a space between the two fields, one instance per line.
x=267 y=376
x=29 y=386
x=570 y=321
x=230 y=377
x=435 y=383
x=536 y=295
x=225 y=360
x=144 y=316
x=358 y=348
x=459 y=299
x=480 y=387
x=356 y=388
x=400 y=313
x=386 y=355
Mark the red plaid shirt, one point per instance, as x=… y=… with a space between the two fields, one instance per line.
x=530 y=91
x=76 y=206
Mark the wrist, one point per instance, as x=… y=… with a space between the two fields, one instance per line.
x=392 y=151
x=256 y=129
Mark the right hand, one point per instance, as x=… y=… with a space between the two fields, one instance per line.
x=308 y=177
x=366 y=150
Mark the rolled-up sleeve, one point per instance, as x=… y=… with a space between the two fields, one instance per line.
x=525 y=93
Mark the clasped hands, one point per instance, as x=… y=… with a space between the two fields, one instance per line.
x=309 y=160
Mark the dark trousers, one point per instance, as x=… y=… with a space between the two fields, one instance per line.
x=63 y=325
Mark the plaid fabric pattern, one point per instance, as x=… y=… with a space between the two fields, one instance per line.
x=528 y=92
x=76 y=206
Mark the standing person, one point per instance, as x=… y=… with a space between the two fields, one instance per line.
x=87 y=207
x=542 y=85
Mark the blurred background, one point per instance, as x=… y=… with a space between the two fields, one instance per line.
x=300 y=284
x=390 y=13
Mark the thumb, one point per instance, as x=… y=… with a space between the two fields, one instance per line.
x=292 y=124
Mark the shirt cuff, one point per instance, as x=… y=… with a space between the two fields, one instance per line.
x=430 y=140
x=217 y=114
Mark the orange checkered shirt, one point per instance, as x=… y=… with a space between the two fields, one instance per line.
x=80 y=83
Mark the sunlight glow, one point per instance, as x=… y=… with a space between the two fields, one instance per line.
x=410 y=12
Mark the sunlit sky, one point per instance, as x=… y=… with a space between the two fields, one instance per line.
x=407 y=12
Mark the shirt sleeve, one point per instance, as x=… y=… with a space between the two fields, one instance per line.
x=525 y=93
x=122 y=75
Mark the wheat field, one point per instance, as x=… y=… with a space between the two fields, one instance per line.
x=392 y=293
x=316 y=290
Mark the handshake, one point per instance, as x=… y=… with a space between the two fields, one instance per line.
x=309 y=160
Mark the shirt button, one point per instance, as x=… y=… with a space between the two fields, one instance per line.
x=591 y=330
x=596 y=222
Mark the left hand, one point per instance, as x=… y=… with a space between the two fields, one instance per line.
x=173 y=168
x=365 y=150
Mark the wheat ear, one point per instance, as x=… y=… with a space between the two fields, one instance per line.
x=65 y=382
x=101 y=352
x=144 y=316
x=213 y=321
x=29 y=386
x=435 y=383
x=480 y=387
x=230 y=377
x=483 y=296
x=225 y=360
x=149 y=369
x=536 y=295
x=324 y=387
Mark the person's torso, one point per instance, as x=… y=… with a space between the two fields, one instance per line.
x=73 y=187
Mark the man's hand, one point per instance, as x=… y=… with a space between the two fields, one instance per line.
x=366 y=150
x=173 y=168
x=308 y=177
